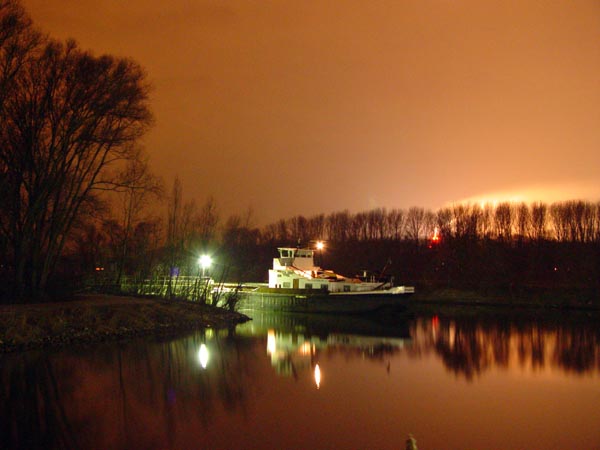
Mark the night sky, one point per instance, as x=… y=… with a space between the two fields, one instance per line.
x=303 y=107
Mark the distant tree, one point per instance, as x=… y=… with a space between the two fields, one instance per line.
x=523 y=222
x=240 y=244
x=560 y=221
x=67 y=118
x=376 y=219
x=136 y=185
x=415 y=223
x=539 y=220
x=503 y=221
x=596 y=237
x=204 y=225
x=581 y=221
x=316 y=226
x=282 y=234
x=486 y=221
x=180 y=229
x=298 y=229
x=396 y=223
x=338 y=225
x=444 y=222
x=465 y=218
x=359 y=226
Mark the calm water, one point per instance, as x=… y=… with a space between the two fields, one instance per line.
x=300 y=382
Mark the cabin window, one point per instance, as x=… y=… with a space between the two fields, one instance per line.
x=308 y=286
x=346 y=288
x=286 y=284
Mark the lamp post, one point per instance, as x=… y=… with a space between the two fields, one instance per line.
x=205 y=261
x=320 y=246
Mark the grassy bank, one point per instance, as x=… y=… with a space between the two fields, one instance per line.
x=97 y=318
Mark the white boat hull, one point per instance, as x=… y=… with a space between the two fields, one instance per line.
x=396 y=290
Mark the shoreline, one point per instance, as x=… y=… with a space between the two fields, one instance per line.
x=536 y=300
x=97 y=318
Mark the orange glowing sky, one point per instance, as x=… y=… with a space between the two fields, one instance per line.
x=302 y=107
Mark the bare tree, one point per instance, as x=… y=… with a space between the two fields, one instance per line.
x=503 y=220
x=180 y=229
x=396 y=222
x=539 y=220
x=136 y=186
x=465 y=219
x=67 y=118
x=206 y=221
x=377 y=223
x=316 y=226
x=485 y=230
x=359 y=227
x=283 y=234
x=18 y=40
x=298 y=229
x=523 y=221
x=338 y=225
x=415 y=223
x=560 y=221
x=444 y=222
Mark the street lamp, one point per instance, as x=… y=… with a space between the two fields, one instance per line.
x=205 y=261
x=320 y=247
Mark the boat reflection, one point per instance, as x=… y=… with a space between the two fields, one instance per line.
x=297 y=342
x=467 y=346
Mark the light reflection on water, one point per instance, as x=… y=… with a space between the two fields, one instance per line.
x=316 y=382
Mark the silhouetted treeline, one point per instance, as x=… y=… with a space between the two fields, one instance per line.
x=513 y=250
x=569 y=221
x=509 y=248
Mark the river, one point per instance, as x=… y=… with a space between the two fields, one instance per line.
x=300 y=382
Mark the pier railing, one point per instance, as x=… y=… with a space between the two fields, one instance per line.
x=193 y=288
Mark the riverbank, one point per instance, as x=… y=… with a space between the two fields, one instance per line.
x=99 y=318
x=473 y=302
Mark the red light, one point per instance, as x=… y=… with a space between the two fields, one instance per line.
x=436 y=238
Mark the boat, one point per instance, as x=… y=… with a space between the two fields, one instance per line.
x=295 y=269
x=296 y=284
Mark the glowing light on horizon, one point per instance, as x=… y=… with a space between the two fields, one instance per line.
x=533 y=194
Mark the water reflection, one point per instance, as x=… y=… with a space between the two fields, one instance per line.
x=296 y=342
x=94 y=398
x=469 y=346
x=251 y=386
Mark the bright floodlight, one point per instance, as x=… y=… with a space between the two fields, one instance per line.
x=205 y=261
x=320 y=245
